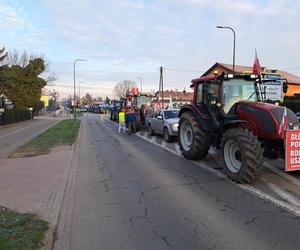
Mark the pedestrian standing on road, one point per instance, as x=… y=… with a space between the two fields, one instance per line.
x=112 y=110
x=122 y=121
x=131 y=120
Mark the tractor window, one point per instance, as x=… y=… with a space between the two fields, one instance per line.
x=213 y=93
x=236 y=90
x=199 y=94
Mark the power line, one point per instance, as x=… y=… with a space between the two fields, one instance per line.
x=291 y=69
x=183 y=70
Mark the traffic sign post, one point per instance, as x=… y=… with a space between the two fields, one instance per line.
x=292 y=150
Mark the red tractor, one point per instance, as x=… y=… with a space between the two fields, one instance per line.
x=229 y=112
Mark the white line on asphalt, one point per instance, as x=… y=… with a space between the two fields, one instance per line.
x=282 y=174
x=177 y=149
x=284 y=205
x=292 y=209
x=282 y=193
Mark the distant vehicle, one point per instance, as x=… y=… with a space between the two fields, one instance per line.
x=164 y=122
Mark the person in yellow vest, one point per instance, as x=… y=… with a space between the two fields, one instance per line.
x=122 y=121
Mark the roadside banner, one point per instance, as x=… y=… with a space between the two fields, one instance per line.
x=292 y=150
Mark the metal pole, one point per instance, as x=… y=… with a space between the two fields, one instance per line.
x=141 y=83
x=77 y=60
x=162 y=87
x=227 y=27
x=74 y=113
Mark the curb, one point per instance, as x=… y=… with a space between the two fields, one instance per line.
x=50 y=235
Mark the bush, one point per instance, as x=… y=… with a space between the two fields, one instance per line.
x=292 y=102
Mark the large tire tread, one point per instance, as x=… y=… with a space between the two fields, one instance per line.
x=251 y=153
x=200 y=146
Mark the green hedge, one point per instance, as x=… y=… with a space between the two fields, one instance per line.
x=292 y=102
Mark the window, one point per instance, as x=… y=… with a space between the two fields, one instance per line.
x=171 y=114
x=199 y=94
x=236 y=90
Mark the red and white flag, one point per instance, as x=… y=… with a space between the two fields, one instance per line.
x=158 y=103
x=256 y=65
x=283 y=124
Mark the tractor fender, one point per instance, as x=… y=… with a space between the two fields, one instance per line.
x=206 y=123
x=243 y=123
x=231 y=123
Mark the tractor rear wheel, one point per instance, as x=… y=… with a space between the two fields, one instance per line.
x=192 y=139
x=242 y=155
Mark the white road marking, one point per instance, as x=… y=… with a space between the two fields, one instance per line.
x=279 y=203
x=177 y=149
x=282 y=193
x=282 y=174
x=291 y=208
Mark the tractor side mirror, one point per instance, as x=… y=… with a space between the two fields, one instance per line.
x=285 y=87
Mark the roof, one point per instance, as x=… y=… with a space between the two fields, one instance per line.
x=177 y=95
x=292 y=79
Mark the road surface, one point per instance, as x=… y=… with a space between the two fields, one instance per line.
x=126 y=193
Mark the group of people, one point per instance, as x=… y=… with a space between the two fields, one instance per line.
x=127 y=115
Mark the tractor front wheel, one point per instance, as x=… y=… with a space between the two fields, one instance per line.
x=242 y=155
x=192 y=139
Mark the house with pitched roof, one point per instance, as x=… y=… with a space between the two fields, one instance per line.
x=293 y=80
x=179 y=98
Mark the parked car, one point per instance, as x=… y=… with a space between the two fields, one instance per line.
x=164 y=122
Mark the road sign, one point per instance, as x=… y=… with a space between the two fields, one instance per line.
x=292 y=150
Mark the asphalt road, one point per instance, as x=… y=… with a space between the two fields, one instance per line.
x=125 y=193
x=15 y=135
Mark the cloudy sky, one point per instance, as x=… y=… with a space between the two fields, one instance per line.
x=126 y=39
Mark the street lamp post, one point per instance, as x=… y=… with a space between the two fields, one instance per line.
x=79 y=90
x=141 y=83
x=74 y=63
x=227 y=27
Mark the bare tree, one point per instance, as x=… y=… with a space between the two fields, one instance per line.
x=98 y=99
x=123 y=87
x=87 y=99
x=2 y=55
x=22 y=59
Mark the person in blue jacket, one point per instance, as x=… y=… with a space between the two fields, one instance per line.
x=131 y=120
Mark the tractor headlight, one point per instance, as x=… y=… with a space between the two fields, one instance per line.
x=296 y=126
x=293 y=126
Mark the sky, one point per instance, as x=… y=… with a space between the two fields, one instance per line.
x=128 y=40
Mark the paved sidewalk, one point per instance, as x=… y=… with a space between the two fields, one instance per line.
x=36 y=185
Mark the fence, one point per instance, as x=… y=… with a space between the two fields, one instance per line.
x=13 y=116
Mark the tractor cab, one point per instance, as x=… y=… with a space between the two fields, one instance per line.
x=217 y=95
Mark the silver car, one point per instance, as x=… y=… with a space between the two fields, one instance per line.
x=164 y=122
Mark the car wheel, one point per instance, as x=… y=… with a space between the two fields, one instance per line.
x=167 y=136
x=150 y=130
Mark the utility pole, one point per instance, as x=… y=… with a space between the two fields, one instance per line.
x=161 y=86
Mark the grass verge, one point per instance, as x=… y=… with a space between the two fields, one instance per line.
x=64 y=133
x=20 y=231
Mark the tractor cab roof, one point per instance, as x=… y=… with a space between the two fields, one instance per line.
x=246 y=76
x=203 y=79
